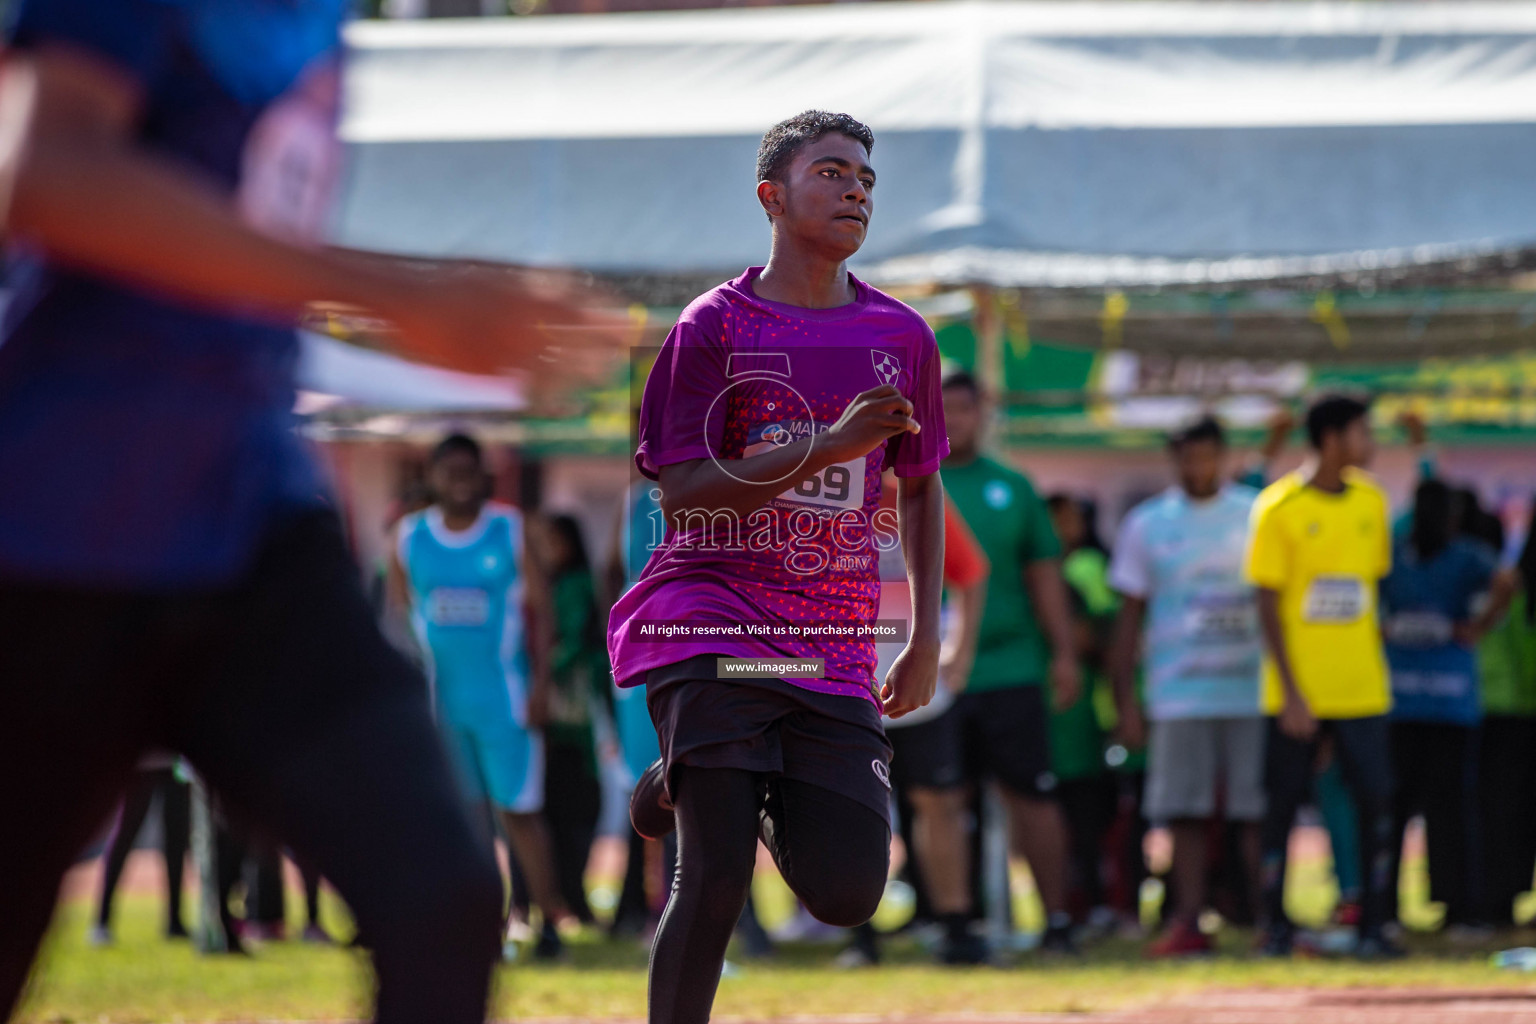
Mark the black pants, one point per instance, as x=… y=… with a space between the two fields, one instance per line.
x=175 y=837
x=573 y=799
x=1362 y=746
x=1506 y=781
x=1088 y=804
x=282 y=693
x=833 y=851
x=1433 y=775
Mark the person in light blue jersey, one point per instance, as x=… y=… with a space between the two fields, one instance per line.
x=1430 y=630
x=1179 y=567
x=463 y=567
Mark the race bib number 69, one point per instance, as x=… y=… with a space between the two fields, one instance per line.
x=1334 y=599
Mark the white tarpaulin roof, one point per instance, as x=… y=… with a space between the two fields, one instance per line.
x=333 y=374
x=1019 y=143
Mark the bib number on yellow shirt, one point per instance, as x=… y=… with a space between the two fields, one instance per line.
x=1334 y=600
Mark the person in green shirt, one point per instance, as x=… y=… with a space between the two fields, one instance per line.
x=1506 y=778
x=578 y=692
x=1025 y=645
x=1085 y=787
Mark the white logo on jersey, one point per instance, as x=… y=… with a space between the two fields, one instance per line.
x=887 y=366
x=881 y=772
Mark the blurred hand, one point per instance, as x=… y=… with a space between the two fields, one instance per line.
x=1468 y=634
x=1281 y=422
x=954 y=668
x=1132 y=729
x=910 y=683
x=1296 y=719
x=1066 y=681
x=556 y=327
x=538 y=706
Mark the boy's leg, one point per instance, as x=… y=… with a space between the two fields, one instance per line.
x=717 y=827
x=176 y=837
x=130 y=818
x=1287 y=777
x=528 y=837
x=1365 y=757
x=1447 y=823
x=833 y=851
x=306 y=718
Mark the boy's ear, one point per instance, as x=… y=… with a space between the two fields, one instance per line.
x=771 y=195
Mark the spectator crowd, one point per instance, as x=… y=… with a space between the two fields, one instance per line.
x=1245 y=648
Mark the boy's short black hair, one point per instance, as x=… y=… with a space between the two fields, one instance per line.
x=785 y=139
x=960 y=379
x=1206 y=428
x=456 y=443
x=1333 y=413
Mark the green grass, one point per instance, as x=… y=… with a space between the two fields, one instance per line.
x=143 y=978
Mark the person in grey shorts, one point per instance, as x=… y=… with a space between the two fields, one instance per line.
x=1179 y=567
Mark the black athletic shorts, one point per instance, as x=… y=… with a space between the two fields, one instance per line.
x=1006 y=735
x=928 y=754
x=769 y=725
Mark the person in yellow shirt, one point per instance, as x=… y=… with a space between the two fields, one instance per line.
x=1319 y=542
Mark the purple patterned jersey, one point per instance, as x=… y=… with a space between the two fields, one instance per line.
x=792 y=579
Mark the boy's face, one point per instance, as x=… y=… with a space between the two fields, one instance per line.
x=826 y=197
x=1359 y=443
x=458 y=479
x=1200 y=465
x=962 y=418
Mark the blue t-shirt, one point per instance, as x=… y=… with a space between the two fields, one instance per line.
x=1434 y=678
x=147 y=444
x=1185 y=559
x=467 y=600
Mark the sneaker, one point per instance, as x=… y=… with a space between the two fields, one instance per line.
x=1277 y=943
x=1373 y=945
x=177 y=931
x=1182 y=939
x=550 y=946
x=650 y=812
x=316 y=935
x=99 y=935
x=855 y=957
x=1347 y=914
x=964 y=951
x=263 y=931
x=1057 y=941
x=1469 y=934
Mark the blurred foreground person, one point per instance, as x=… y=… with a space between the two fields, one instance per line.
x=463 y=566
x=171 y=576
x=1179 y=566
x=1319 y=542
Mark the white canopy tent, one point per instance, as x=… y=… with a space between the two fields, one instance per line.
x=339 y=379
x=1029 y=144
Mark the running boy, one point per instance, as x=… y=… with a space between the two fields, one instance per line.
x=462 y=567
x=1319 y=543
x=775 y=403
